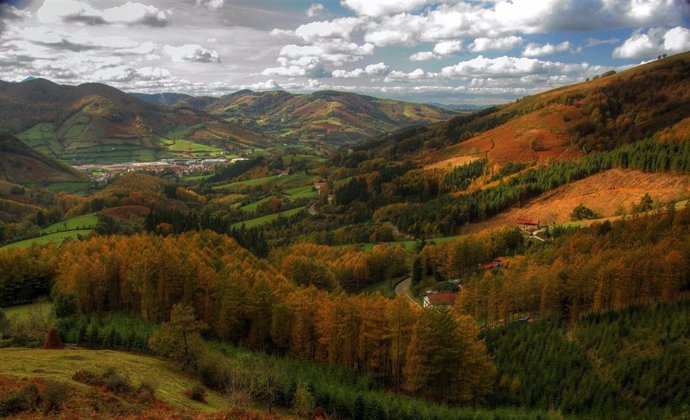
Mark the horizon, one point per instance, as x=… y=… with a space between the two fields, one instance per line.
x=448 y=52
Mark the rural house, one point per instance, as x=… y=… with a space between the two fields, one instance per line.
x=439 y=299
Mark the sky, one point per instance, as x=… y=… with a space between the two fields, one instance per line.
x=445 y=51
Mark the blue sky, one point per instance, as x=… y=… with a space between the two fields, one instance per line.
x=449 y=51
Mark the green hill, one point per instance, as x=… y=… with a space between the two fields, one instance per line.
x=20 y=164
x=97 y=123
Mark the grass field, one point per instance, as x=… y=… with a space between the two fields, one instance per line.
x=22 y=312
x=251 y=207
x=57 y=238
x=186 y=146
x=63 y=364
x=68 y=187
x=301 y=192
x=274 y=181
x=267 y=219
x=87 y=221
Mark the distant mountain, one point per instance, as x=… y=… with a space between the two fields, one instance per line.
x=458 y=107
x=97 y=123
x=20 y=164
x=334 y=117
x=161 y=98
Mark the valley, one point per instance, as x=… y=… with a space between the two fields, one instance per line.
x=266 y=255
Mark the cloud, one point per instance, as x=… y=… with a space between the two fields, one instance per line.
x=645 y=45
x=423 y=56
x=496 y=19
x=677 y=40
x=308 y=66
x=128 y=74
x=447 y=47
x=336 y=28
x=377 y=8
x=335 y=51
x=131 y=13
x=315 y=9
x=535 y=50
x=398 y=76
x=191 y=53
x=372 y=70
x=495 y=44
x=509 y=67
x=594 y=42
x=211 y=4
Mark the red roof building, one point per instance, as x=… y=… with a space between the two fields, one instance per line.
x=528 y=222
x=440 y=299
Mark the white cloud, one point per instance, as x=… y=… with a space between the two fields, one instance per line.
x=423 y=56
x=447 y=47
x=335 y=51
x=315 y=10
x=336 y=28
x=509 y=67
x=376 y=8
x=130 y=13
x=655 y=41
x=396 y=76
x=677 y=40
x=191 y=53
x=372 y=70
x=211 y=4
x=128 y=74
x=495 y=44
x=535 y=50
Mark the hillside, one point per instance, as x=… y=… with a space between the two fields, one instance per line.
x=334 y=117
x=161 y=98
x=565 y=123
x=21 y=164
x=97 y=123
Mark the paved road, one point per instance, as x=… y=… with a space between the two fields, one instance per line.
x=403 y=288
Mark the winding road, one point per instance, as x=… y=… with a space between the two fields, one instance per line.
x=403 y=288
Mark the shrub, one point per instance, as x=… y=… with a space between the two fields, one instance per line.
x=213 y=370
x=197 y=393
x=65 y=305
x=13 y=403
x=115 y=383
x=146 y=393
x=54 y=395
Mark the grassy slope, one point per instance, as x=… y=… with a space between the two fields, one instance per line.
x=57 y=238
x=87 y=221
x=62 y=365
x=267 y=219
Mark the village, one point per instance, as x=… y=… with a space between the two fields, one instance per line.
x=180 y=167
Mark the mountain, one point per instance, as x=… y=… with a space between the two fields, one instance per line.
x=20 y=164
x=97 y=123
x=333 y=117
x=166 y=98
x=458 y=107
x=609 y=111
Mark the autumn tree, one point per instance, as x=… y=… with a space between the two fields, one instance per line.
x=180 y=338
x=445 y=361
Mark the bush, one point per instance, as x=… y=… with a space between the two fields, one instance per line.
x=115 y=383
x=54 y=395
x=213 y=370
x=65 y=305
x=197 y=393
x=146 y=393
